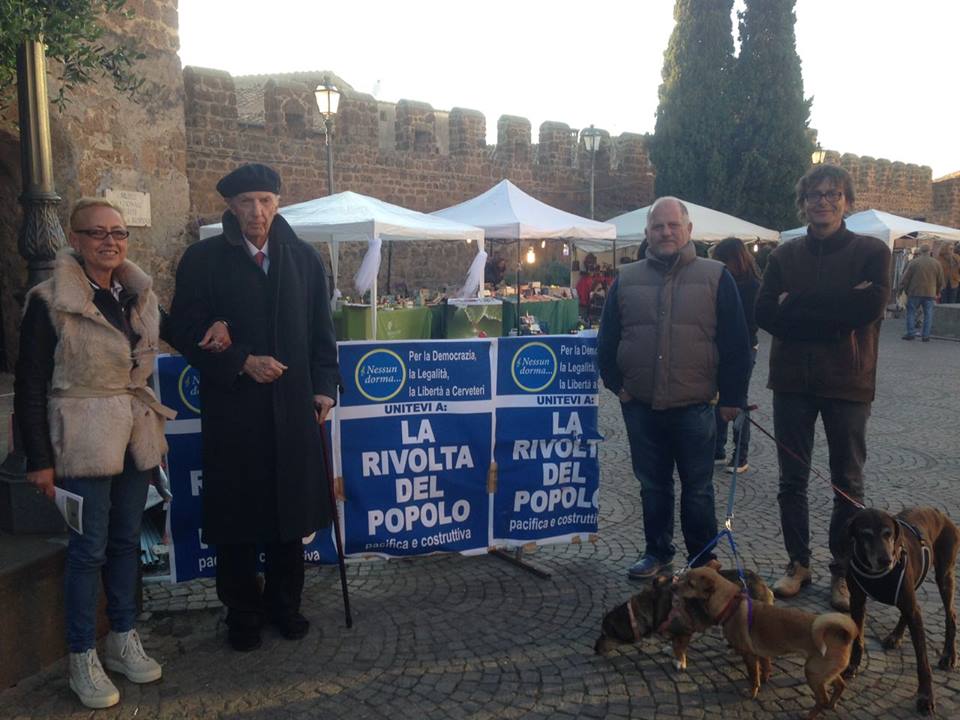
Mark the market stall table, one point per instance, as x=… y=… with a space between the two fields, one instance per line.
x=353 y=322
x=556 y=316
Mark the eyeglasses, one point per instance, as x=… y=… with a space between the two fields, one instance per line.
x=831 y=196
x=98 y=234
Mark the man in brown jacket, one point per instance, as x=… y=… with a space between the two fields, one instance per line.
x=951 y=273
x=922 y=282
x=822 y=298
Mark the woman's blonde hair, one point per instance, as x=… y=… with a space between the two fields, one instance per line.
x=89 y=202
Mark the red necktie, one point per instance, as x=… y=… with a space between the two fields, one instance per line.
x=259 y=258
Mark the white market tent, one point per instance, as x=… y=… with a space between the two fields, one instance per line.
x=885 y=226
x=505 y=212
x=709 y=225
x=350 y=217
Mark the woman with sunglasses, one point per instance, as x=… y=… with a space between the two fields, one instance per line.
x=91 y=426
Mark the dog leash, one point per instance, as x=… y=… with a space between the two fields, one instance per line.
x=856 y=503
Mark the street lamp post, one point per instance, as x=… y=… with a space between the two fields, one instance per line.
x=818 y=156
x=328 y=100
x=591 y=142
x=39 y=239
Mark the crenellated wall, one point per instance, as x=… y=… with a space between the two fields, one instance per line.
x=901 y=188
x=406 y=153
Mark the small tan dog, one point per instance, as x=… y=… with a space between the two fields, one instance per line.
x=761 y=631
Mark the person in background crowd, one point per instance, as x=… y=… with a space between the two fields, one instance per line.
x=951 y=274
x=92 y=426
x=251 y=312
x=495 y=270
x=763 y=253
x=822 y=298
x=672 y=335
x=739 y=262
x=922 y=282
x=642 y=250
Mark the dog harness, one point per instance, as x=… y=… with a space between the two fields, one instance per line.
x=731 y=607
x=885 y=586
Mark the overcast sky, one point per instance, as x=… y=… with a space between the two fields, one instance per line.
x=882 y=72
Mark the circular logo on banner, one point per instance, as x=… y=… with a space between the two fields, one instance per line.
x=534 y=367
x=380 y=375
x=188 y=387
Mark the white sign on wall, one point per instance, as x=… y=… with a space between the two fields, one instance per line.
x=134 y=205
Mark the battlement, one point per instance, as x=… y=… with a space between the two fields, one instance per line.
x=283 y=105
x=896 y=187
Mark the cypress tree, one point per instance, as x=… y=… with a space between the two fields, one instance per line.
x=771 y=142
x=689 y=147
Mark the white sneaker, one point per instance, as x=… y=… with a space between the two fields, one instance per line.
x=742 y=469
x=90 y=682
x=125 y=654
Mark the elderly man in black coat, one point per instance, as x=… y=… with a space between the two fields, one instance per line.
x=251 y=312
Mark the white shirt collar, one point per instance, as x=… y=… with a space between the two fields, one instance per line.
x=115 y=287
x=253 y=249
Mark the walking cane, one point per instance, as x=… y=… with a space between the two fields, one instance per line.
x=336 y=528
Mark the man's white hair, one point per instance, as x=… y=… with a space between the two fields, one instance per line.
x=668 y=198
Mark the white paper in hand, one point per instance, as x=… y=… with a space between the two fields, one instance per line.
x=70 y=506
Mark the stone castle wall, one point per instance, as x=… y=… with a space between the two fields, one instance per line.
x=901 y=188
x=105 y=141
x=405 y=153
x=946 y=200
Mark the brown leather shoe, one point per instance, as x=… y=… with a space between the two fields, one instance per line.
x=839 y=594
x=796 y=577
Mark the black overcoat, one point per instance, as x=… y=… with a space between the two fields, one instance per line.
x=263 y=469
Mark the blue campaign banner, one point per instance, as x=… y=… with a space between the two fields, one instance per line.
x=547 y=440
x=415 y=424
x=179 y=387
x=398 y=372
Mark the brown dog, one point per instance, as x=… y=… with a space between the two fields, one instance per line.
x=889 y=558
x=761 y=631
x=655 y=610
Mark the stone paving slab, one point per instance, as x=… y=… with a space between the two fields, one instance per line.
x=453 y=637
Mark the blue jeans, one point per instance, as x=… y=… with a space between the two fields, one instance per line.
x=741 y=437
x=109 y=546
x=927 y=304
x=659 y=440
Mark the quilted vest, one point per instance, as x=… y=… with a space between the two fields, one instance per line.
x=668 y=317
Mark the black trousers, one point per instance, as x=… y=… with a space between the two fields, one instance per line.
x=239 y=590
x=845 y=425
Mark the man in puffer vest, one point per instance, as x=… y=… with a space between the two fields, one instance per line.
x=673 y=341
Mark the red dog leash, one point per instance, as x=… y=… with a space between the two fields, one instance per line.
x=856 y=503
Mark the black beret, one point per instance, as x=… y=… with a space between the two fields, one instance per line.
x=252 y=177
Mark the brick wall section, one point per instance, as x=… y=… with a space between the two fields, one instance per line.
x=899 y=188
x=409 y=154
x=103 y=140
x=946 y=200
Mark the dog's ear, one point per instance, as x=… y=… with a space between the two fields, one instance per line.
x=662 y=580
x=896 y=531
x=850 y=527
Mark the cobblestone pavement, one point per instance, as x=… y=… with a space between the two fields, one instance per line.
x=454 y=637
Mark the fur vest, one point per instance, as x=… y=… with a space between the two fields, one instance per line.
x=99 y=405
